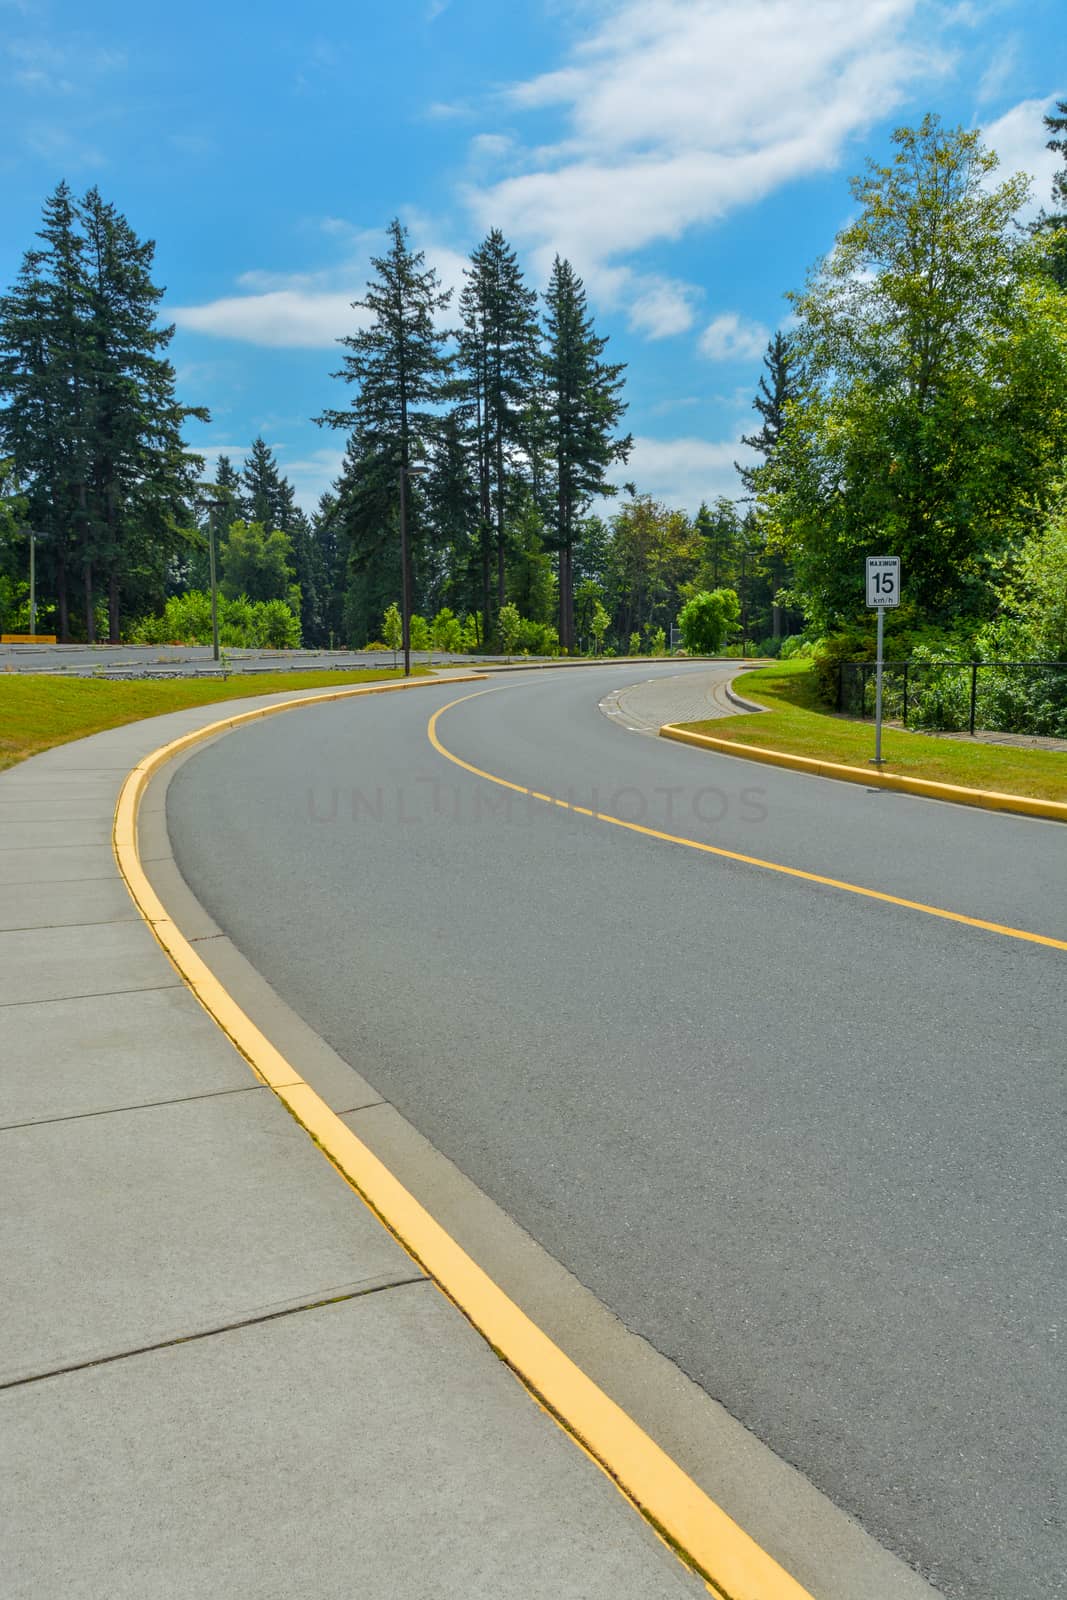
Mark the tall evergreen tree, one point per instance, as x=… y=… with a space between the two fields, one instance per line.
x=777 y=387
x=142 y=476
x=400 y=369
x=499 y=348
x=453 y=503
x=91 y=418
x=43 y=377
x=331 y=548
x=583 y=408
x=267 y=497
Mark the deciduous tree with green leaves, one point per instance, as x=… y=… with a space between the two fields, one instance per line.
x=393 y=629
x=707 y=619
x=257 y=563
x=931 y=422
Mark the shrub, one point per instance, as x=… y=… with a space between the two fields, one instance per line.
x=243 y=623
x=706 y=619
x=828 y=656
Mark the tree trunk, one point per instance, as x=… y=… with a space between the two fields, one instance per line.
x=566 y=598
x=62 y=604
x=113 y=607
x=90 y=620
x=501 y=588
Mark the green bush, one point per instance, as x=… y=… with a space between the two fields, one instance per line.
x=706 y=619
x=828 y=655
x=634 y=648
x=795 y=645
x=536 y=638
x=243 y=624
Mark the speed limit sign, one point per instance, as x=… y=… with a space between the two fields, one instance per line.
x=883 y=582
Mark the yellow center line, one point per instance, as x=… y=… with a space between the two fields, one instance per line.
x=728 y=855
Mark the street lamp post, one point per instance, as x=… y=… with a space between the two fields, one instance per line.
x=34 y=534
x=406 y=472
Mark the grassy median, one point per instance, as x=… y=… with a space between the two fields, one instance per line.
x=37 y=712
x=795 y=722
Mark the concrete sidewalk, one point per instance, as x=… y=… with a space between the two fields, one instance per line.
x=219 y=1375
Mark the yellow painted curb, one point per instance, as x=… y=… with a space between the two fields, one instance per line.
x=730 y=1561
x=986 y=799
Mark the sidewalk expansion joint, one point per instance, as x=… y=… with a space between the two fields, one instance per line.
x=135 y=1105
x=93 y=994
x=210 y=1333
x=15 y=849
x=47 y=927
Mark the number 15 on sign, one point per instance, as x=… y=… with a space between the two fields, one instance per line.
x=883 y=591
x=883 y=581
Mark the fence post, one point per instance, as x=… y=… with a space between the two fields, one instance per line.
x=974 y=692
x=904 y=717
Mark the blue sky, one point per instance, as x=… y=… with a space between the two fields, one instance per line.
x=691 y=157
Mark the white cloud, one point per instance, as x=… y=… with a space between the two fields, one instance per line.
x=682 y=472
x=678 y=111
x=312 y=473
x=662 y=306
x=1003 y=65
x=729 y=337
x=1019 y=139
x=312 y=310
x=279 y=317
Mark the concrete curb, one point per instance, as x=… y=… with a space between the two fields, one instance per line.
x=984 y=799
x=743 y=705
x=689 y=1521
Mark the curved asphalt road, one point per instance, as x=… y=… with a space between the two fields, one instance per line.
x=809 y=1144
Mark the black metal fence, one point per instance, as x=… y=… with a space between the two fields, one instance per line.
x=1003 y=696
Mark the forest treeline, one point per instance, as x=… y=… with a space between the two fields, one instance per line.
x=916 y=405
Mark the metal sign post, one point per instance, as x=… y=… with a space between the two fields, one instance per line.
x=883 y=591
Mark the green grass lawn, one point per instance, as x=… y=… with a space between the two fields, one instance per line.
x=37 y=712
x=798 y=725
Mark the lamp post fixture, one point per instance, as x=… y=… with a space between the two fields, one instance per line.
x=212 y=507
x=406 y=471
x=34 y=534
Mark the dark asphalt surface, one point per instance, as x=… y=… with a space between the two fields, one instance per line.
x=810 y=1145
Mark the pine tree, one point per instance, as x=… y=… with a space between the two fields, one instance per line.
x=331 y=555
x=453 y=504
x=267 y=497
x=401 y=371
x=583 y=407
x=91 y=420
x=718 y=531
x=499 y=347
x=777 y=386
x=43 y=362
x=142 y=476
